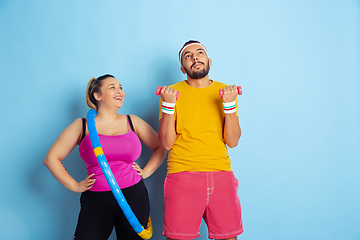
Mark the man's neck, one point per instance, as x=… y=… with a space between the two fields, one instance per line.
x=199 y=83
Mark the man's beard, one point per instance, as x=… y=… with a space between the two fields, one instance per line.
x=198 y=74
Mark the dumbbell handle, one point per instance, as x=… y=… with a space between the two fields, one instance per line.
x=158 y=90
x=221 y=91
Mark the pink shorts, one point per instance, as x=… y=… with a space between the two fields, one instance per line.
x=191 y=196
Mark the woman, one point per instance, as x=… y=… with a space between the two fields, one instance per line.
x=120 y=136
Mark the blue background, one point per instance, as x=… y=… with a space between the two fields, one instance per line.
x=297 y=61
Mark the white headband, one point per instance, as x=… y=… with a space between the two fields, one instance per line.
x=194 y=43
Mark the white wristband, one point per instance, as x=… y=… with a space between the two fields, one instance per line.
x=229 y=107
x=168 y=108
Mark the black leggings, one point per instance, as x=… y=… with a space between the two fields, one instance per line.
x=100 y=212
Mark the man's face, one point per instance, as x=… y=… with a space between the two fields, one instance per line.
x=195 y=62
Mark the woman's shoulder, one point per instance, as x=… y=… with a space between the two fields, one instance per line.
x=135 y=118
x=77 y=122
x=74 y=129
x=138 y=122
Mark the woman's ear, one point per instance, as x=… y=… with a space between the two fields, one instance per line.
x=97 y=96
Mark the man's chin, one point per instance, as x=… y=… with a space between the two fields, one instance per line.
x=197 y=73
x=198 y=76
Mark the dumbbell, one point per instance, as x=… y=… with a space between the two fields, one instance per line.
x=158 y=90
x=221 y=91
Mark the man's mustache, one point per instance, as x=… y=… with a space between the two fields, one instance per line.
x=196 y=63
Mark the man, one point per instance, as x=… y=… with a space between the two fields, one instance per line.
x=196 y=128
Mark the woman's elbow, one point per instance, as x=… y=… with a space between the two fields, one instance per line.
x=49 y=160
x=46 y=161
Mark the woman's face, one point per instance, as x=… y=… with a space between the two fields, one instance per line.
x=111 y=93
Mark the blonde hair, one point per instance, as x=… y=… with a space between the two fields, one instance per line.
x=94 y=86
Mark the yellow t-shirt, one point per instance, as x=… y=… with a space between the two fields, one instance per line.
x=199 y=117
